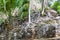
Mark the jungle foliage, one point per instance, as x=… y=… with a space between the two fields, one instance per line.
x=56 y=6
x=6 y=6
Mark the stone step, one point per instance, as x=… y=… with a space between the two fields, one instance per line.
x=55 y=38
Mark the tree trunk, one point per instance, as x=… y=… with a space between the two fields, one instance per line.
x=44 y=5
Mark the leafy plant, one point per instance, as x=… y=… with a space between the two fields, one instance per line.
x=7 y=5
x=56 y=6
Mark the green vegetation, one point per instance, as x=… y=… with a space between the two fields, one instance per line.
x=56 y=6
x=6 y=6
